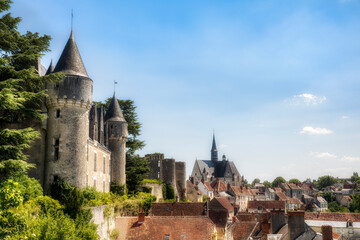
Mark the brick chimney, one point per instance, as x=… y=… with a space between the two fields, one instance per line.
x=265 y=226
x=326 y=231
x=296 y=224
x=141 y=216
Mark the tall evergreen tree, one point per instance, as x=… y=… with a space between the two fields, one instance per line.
x=21 y=91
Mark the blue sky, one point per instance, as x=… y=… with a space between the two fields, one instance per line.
x=279 y=81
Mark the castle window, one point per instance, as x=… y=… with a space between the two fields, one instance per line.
x=95 y=160
x=159 y=163
x=56 y=149
x=56 y=85
x=104 y=161
x=57 y=114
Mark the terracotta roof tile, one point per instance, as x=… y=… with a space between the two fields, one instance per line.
x=208 y=186
x=225 y=203
x=155 y=228
x=243 y=230
x=219 y=185
x=324 y=216
x=178 y=209
x=219 y=217
x=268 y=205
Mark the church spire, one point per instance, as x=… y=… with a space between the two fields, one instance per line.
x=214 y=152
x=70 y=61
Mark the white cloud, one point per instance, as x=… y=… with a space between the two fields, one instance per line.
x=308 y=99
x=350 y=159
x=322 y=155
x=315 y=131
x=344 y=117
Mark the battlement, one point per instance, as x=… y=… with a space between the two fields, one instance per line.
x=67 y=102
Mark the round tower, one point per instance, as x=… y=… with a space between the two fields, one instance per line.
x=116 y=136
x=68 y=106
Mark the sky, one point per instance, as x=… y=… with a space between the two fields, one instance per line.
x=277 y=81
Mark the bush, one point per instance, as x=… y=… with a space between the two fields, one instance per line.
x=30 y=187
x=118 y=189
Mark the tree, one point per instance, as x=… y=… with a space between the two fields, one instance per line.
x=325 y=181
x=137 y=168
x=355 y=177
x=295 y=181
x=21 y=90
x=256 y=180
x=355 y=205
x=267 y=184
x=277 y=181
x=329 y=197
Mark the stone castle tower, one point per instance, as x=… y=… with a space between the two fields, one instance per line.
x=83 y=145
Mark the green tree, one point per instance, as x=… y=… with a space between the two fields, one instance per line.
x=355 y=205
x=325 y=181
x=329 y=197
x=21 y=90
x=277 y=181
x=267 y=184
x=256 y=180
x=295 y=181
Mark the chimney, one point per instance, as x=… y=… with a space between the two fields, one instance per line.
x=277 y=220
x=141 y=216
x=265 y=226
x=326 y=231
x=233 y=219
x=296 y=224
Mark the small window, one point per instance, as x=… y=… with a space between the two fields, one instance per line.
x=56 y=149
x=158 y=174
x=104 y=164
x=57 y=114
x=159 y=163
x=95 y=160
x=56 y=85
x=167 y=237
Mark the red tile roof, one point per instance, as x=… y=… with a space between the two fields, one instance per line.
x=208 y=186
x=223 y=202
x=219 y=185
x=178 y=209
x=155 y=228
x=243 y=230
x=268 y=205
x=219 y=217
x=239 y=191
x=324 y=216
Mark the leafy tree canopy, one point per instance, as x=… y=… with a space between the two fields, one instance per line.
x=267 y=184
x=277 y=181
x=325 y=181
x=294 y=180
x=256 y=180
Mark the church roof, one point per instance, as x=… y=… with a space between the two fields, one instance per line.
x=217 y=168
x=114 y=112
x=70 y=61
x=213 y=143
x=50 y=68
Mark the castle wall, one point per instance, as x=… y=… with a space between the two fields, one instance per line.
x=168 y=171
x=180 y=176
x=98 y=166
x=116 y=139
x=155 y=164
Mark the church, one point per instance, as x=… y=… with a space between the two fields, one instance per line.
x=209 y=170
x=80 y=142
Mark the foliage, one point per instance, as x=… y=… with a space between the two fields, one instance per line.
x=329 y=197
x=152 y=181
x=137 y=169
x=277 y=181
x=355 y=205
x=204 y=198
x=30 y=187
x=146 y=189
x=168 y=192
x=335 y=207
x=114 y=234
x=295 y=181
x=325 y=181
x=256 y=180
x=355 y=177
x=267 y=184
x=117 y=188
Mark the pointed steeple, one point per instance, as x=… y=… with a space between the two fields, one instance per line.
x=50 y=69
x=70 y=61
x=114 y=112
x=214 y=152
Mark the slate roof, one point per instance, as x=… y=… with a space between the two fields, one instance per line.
x=70 y=61
x=155 y=228
x=217 y=169
x=224 y=203
x=114 y=112
x=178 y=209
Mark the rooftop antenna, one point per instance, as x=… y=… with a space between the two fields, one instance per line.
x=115 y=82
x=72 y=19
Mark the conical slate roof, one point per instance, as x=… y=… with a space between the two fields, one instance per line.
x=50 y=69
x=114 y=112
x=70 y=61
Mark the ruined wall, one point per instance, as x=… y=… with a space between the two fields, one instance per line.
x=155 y=165
x=156 y=190
x=105 y=221
x=180 y=178
x=168 y=171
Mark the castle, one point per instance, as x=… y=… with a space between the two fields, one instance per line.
x=209 y=170
x=80 y=142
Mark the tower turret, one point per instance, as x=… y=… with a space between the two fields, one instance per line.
x=68 y=106
x=116 y=136
x=214 y=152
